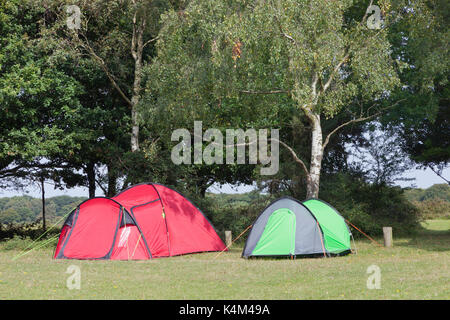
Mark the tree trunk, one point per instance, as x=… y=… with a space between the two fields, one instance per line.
x=43 y=202
x=134 y=129
x=137 y=48
x=90 y=170
x=203 y=189
x=112 y=182
x=313 y=179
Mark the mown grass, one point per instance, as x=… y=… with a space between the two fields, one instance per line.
x=415 y=268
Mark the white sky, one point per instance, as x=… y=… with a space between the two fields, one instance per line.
x=423 y=179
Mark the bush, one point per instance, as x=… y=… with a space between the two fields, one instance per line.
x=19 y=243
x=233 y=212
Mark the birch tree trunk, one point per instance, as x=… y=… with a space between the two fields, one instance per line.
x=313 y=178
x=137 y=47
x=134 y=111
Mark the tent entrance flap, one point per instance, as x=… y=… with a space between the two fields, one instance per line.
x=278 y=237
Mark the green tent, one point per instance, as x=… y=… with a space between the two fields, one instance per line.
x=288 y=227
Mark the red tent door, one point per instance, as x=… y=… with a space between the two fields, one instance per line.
x=94 y=229
x=152 y=221
x=130 y=244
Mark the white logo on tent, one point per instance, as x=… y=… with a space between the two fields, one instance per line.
x=124 y=236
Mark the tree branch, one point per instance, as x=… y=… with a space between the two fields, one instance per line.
x=133 y=37
x=102 y=64
x=335 y=70
x=293 y=153
x=150 y=41
x=315 y=79
x=438 y=174
x=101 y=187
x=278 y=22
x=347 y=54
x=360 y=119
x=276 y=91
x=365 y=14
x=4 y=173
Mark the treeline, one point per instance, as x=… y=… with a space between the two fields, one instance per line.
x=26 y=209
x=435 y=192
x=433 y=202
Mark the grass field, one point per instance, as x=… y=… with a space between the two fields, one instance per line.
x=415 y=268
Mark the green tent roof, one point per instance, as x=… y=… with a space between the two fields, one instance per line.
x=335 y=230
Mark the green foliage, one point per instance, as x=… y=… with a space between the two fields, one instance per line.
x=426 y=141
x=369 y=207
x=317 y=57
x=35 y=96
x=378 y=158
x=422 y=58
x=98 y=57
x=39 y=105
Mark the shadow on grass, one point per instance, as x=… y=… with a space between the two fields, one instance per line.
x=430 y=240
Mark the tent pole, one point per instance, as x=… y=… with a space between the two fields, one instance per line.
x=354 y=243
x=136 y=245
x=233 y=241
x=321 y=240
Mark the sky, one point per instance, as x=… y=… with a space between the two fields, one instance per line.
x=423 y=179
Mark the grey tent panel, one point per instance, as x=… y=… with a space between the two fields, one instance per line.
x=307 y=234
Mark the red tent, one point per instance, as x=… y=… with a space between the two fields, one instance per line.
x=145 y=221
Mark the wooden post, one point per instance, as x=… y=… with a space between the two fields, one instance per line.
x=228 y=238
x=387 y=232
x=43 y=201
